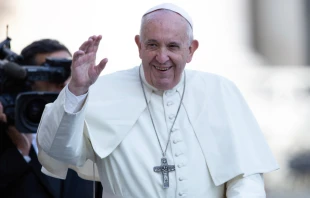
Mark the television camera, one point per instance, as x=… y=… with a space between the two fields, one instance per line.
x=22 y=105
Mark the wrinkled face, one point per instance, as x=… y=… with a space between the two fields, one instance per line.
x=49 y=86
x=164 y=48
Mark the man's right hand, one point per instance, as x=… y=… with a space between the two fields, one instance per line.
x=84 y=71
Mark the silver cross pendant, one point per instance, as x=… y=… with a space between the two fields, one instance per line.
x=164 y=168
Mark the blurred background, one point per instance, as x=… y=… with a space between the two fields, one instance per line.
x=262 y=45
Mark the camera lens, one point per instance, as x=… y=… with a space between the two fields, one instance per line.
x=34 y=110
x=29 y=108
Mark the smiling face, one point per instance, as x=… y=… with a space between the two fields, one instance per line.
x=165 y=47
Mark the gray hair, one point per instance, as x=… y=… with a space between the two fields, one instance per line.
x=189 y=30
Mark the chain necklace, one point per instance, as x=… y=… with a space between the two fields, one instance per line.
x=164 y=168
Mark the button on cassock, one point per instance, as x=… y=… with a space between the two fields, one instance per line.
x=181 y=178
x=178 y=154
x=180 y=165
x=176 y=141
x=169 y=93
x=169 y=103
x=171 y=116
x=174 y=129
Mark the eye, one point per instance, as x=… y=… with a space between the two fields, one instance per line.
x=151 y=45
x=173 y=46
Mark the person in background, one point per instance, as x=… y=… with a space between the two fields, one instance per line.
x=20 y=170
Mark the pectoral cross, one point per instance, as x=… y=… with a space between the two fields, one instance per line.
x=164 y=169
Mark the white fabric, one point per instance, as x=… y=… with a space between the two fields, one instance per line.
x=246 y=187
x=34 y=142
x=174 y=8
x=74 y=103
x=252 y=185
x=227 y=137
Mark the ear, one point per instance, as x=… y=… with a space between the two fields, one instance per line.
x=192 y=48
x=137 y=40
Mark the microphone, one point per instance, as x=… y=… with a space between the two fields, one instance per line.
x=14 y=71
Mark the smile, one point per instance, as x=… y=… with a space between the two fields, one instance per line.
x=162 y=68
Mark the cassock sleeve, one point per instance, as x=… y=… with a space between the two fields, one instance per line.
x=61 y=134
x=251 y=186
x=74 y=103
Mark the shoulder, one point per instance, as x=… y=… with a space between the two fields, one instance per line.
x=119 y=78
x=117 y=84
x=208 y=80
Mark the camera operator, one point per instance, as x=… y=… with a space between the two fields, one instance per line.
x=20 y=170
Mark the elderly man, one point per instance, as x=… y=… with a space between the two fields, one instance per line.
x=156 y=130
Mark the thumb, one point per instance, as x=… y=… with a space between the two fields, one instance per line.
x=101 y=65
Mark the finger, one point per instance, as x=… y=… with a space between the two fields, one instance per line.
x=77 y=54
x=86 y=44
x=101 y=65
x=90 y=44
x=95 y=44
x=92 y=37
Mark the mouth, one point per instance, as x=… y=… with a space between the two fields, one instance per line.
x=162 y=68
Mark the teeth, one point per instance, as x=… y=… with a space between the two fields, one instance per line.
x=162 y=69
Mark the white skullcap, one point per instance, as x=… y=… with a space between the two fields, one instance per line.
x=174 y=8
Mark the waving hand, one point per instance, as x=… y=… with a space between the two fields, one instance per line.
x=84 y=71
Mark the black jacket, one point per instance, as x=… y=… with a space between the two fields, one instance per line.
x=19 y=179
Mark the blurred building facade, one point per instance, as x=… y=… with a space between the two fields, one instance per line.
x=281 y=31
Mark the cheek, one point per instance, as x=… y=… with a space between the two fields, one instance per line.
x=189 y=59
x=180 y=61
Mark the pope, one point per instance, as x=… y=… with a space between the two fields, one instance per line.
x=158 y=129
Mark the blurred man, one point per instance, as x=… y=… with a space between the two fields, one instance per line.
x=20 y=171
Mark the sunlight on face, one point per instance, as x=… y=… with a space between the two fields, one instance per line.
x=164 y=48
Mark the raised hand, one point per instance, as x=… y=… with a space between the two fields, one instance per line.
x=84 y=71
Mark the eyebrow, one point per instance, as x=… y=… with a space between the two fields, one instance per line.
x=170 y=43
x=174 y=43
x=151 y=41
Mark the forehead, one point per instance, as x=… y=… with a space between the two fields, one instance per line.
x=164 y=24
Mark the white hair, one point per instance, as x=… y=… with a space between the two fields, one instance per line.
x=147 y=17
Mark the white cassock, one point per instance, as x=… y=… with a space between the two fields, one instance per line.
x=216 y=145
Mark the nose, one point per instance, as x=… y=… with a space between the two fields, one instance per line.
x=162 y=55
